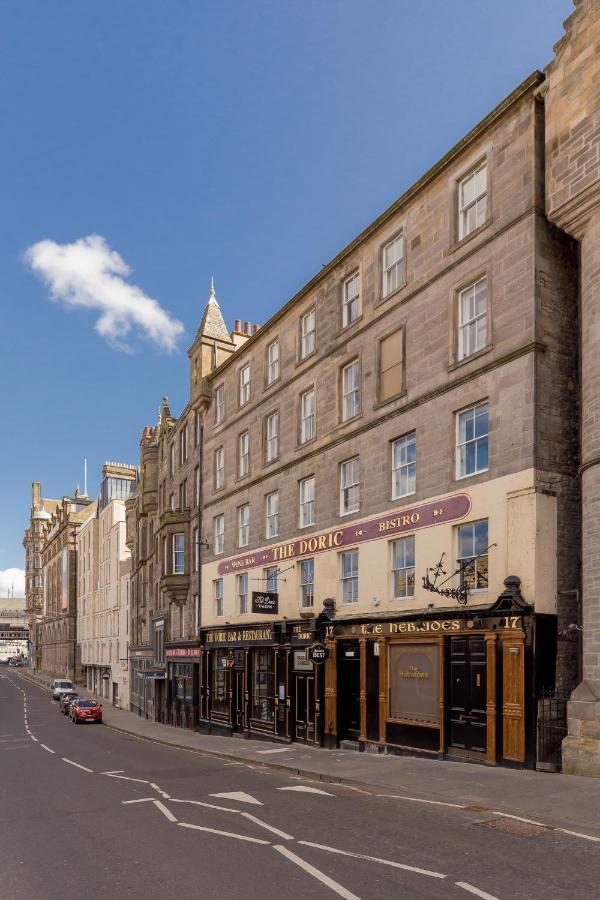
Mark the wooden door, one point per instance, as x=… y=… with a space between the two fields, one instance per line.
x=467 y=696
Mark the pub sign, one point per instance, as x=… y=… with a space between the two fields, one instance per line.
x=265 y=602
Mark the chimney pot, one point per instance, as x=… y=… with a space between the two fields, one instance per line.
x=247 y=328
x=255 y=328
x=237 y=326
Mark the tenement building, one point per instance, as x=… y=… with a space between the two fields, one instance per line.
x=40 y=512
x=164 y=528
x=389 y=475
x=57 y=650
x=103 y=588
x=376 y=520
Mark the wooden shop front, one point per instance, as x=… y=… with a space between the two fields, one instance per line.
x=452 y=683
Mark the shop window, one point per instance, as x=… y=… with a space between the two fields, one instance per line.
x=472 y=557
x=183 y=683
x=349 y=576
x=219 y=698
x=414 y=683
x=472 y=440
x=263 y=686
x=404 y=466
x=403 y=568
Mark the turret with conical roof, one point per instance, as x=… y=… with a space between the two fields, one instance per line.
x=212 y=345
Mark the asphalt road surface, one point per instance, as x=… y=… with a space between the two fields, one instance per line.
x=89 y=812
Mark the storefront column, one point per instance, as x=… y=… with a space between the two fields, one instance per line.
x=363 y=689
x=513 y=697
x=490 y=708
x=383 y=688
x=330 y=724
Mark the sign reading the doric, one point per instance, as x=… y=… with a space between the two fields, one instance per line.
x=260 y=634
x=265 y=602
x=408 y=519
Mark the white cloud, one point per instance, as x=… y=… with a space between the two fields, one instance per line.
x=89 y=273
x=12 y=578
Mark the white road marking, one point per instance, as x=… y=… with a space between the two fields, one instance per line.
x=278 y=750
x=304 y=788
x=166 y=812
x=47 y=748
x=208 y=805
x=239 y=837
x=320 y=876
x=33 y=738
x=126 y=778
x=420 y=800
x=473 y=890
x=114 y=772
x=228 y=765
x=240 y=796
x=77 y=765
x=384 y=862
x=141 y=800
x=587 y=837
x=160 y=791
x=281 y=834
x=518 y=818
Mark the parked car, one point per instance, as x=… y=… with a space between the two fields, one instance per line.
x=85 y=711
x=65 y=701
x=12 y=661
x=61 y=686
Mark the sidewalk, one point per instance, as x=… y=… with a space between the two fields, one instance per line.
x=561 y=801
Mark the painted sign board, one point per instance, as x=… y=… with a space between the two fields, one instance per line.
x=265 y=602
x=408 y=519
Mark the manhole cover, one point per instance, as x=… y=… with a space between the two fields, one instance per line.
x=514 y=826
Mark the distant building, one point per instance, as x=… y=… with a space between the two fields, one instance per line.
x=14 y=630
x=57 y=652
x=39 y=514
x=103 y=588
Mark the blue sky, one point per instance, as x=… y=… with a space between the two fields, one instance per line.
x=246 y=140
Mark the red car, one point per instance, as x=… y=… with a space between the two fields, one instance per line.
x=85 y=711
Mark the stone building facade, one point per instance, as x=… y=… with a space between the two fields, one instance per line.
x=572 y=144
x=39 y=514
x=57 y=649
x=103 y=588
x=164 y=533
x=412 y=403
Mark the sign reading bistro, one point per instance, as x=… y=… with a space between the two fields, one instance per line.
x=410 y=519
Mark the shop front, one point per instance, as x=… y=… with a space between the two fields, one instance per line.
x=141 y=694
x=456 y=683
x=243 y=680
x=183 y=678
x=304 y=687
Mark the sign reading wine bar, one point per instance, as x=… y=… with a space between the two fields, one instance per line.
x=405 y=520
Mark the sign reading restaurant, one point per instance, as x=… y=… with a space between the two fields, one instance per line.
x=406 y=520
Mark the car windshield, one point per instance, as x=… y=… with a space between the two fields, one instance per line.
x=87 y=703
x=63 y=684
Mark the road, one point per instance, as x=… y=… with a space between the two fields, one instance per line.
x=91 y=812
